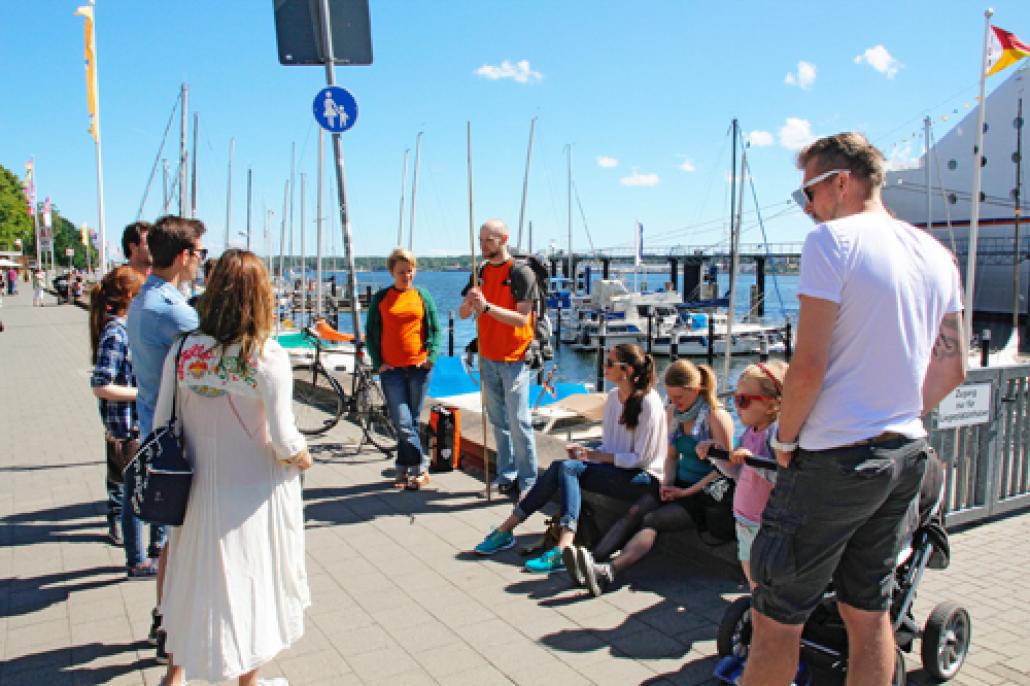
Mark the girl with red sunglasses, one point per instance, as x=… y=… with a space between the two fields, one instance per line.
x=757 y=401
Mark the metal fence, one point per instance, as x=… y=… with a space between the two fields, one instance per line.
x=988 y=465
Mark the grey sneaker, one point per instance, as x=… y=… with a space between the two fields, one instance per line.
x=571 y=559
x=597 y=576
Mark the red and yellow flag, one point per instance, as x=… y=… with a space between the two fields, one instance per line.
x=91 y=72
x=1004 y=50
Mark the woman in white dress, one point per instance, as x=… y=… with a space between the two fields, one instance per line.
x=236 y=587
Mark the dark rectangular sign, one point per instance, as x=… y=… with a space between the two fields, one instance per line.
x=299 y=34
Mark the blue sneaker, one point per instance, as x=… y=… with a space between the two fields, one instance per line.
x=548 y=562
x=495 y=541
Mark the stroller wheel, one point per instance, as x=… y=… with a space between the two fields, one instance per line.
x=946 y=639
x=735 y=629
x=900 y=672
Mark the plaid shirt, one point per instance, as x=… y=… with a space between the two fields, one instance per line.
x=114 y=366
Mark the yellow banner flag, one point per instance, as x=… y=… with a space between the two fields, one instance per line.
x=85 y=235
x=91 y=73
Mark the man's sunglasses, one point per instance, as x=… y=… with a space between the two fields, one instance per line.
x=743 y=400
x=803 y=196
x=199 y=252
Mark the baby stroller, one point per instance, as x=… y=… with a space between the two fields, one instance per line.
x=945 y=636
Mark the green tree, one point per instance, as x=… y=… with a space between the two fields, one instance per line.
x=15 y=221
x=67 y=235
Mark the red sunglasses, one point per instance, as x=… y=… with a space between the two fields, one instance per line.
x=743 y=401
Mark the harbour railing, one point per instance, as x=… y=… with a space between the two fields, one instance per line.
x=988 y=463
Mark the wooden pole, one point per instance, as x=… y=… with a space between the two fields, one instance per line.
x=475 y=284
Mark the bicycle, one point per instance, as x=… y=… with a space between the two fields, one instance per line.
x=320 y=401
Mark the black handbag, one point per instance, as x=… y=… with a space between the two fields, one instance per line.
x=159 y=476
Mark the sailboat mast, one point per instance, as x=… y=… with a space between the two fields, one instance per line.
x=568 y=149
x=193 y=181
x=525 y=182
x=927 y=154
x=414 y=190
x=303 y=253
x=735 y=212
x=228 y=194
x=318 y=223
x=182 y=152
x=400 y=214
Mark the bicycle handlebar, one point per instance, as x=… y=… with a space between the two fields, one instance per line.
x=752 y=461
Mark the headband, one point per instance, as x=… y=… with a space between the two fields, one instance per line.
x=776 y=382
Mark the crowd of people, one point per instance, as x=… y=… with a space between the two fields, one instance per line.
x=840 y=429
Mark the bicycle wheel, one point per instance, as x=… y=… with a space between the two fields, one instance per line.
x=374 y=416
x=317 y=400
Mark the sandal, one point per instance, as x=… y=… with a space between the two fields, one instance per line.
x=400 y=481
x=417 y=482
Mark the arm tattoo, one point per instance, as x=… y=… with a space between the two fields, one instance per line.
x=947 y=343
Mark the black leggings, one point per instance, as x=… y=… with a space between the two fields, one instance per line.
x=648 y=512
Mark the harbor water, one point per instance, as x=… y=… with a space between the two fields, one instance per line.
x=574 y=366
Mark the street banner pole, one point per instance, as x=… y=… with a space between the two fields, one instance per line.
x=341 y=188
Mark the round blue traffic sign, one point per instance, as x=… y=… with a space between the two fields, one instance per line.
x=335 y=109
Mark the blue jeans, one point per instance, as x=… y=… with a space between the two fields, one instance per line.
x=132 y=533
x=573 y=476
x=506 y=394
x=405 y=389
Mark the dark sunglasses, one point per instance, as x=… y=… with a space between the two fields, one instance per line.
x=744 y=400
x=609 y=363
x=201 y=253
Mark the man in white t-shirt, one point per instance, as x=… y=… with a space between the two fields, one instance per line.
x=879 y=344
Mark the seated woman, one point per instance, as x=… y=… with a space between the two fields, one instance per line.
x=628 y=464
x=694 y=415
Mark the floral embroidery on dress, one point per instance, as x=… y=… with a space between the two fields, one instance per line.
x=201 y=363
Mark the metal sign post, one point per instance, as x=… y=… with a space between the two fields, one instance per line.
x=341 y=185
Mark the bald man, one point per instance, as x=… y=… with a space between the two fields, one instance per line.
x=503 y=303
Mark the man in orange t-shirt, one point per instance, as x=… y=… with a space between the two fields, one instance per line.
x=503 y=303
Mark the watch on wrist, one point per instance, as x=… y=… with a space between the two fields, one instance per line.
x=486 y=308
x=776 y=444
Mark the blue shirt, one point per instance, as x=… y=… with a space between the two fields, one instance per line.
x=113 y=366
x=156 y=318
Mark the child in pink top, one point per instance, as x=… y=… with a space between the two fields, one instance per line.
x=757 y=401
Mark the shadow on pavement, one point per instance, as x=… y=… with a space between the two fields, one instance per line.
x=67 y=665
x=31 y=594
x=54 y=525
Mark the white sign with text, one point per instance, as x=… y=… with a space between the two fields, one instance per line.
x=965 y=406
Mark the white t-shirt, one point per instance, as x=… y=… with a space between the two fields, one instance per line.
x=894 y=284
x=643 y=447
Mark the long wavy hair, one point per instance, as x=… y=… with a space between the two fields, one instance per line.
x=640 y=367
x=238 y=305
x=111 y=297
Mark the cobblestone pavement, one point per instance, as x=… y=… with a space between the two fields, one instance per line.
x=396 y=596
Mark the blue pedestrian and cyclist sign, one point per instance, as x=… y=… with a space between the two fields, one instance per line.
x=335 y=109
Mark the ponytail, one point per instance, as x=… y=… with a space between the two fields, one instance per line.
x=709 y=386
x=642 y=374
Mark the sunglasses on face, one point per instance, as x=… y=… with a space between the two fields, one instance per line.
x=803 y=195
x=744 y=400
x=609 y=363
x=199 y=252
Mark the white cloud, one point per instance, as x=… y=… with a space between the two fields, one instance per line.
x=803 y=78
x=606 y=162
x=880 y=59
x=902 y=157
x=796 y=133
x=519 y=71
x=687 y=166
x=638 y=179
x=760 y=139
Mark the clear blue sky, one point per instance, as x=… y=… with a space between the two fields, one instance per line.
x=648 y=89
